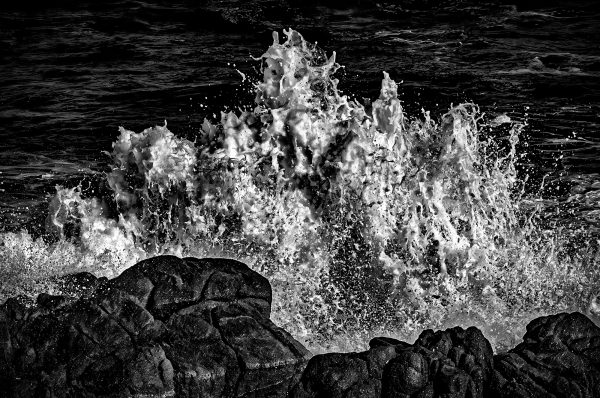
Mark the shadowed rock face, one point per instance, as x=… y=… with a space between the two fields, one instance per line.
x=200 y=328
x=452 y=363
x=560 y=357
x=165 y=327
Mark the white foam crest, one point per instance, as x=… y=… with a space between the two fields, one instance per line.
x=365 y=220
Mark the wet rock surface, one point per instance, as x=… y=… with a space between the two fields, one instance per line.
x=451 y=363
x=165 y=327
x=559 y=357
x=200 y=328
x=345 y=375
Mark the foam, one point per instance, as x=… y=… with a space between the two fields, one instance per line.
x=366 y=221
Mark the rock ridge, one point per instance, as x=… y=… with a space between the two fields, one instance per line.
x=172 y=327
x=164 y=327
x=559 y=357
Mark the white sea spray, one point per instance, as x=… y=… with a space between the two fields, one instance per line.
x=366 y=220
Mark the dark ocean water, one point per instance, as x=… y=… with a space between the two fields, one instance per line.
x=72 y=72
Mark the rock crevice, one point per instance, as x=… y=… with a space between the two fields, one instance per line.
x=165 y=327
x=559 y=357
x=171 y=327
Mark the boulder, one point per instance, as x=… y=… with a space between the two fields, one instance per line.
x=165 y=327
x=450 y=363
x=559 y=357
x=200 y=328
x=353 y=375
x=80 y=284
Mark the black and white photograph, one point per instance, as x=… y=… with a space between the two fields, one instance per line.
x=300 y=198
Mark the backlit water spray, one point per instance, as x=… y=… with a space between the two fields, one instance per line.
x=367 y=221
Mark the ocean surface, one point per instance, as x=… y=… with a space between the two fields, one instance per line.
x=369 y=217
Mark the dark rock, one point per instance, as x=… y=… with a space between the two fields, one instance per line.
x=78 y=285
x=201 y=328
x=386 y=342
x=165 y=284
x=165 y=327
x=468 y=350
x=408 y=374
x=559 y=357
x=354 y=375
x=450 y=363
x=51 y=302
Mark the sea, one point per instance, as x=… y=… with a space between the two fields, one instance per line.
x=389 y=166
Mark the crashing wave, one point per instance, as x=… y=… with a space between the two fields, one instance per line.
x=364 y=219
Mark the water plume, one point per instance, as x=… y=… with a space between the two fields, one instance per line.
x=366 y=220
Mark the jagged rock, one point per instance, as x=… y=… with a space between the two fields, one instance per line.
x=78 y=285
x=201 y=328
x=450 y=363
x=354 y=375
x=559 y=357
x=386 y=342
x=165 y=327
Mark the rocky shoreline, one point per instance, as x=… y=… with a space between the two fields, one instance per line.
x=200 y=328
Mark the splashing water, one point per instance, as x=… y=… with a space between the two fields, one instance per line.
x=366 y=221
